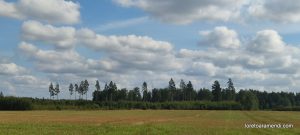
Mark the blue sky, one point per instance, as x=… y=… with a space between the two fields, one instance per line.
x=130 y=41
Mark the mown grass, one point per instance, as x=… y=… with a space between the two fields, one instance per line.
x=145 y=122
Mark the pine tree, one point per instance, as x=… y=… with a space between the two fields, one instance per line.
x=190 y=90
x=183 y=89
x=216 y=91
x=145 y=91
x=1 y=95
x=81 y=89
x=86 y=88
x=231 y=90
x=76 y=89
x=51 y=90
x=106 y=92
x=97 y=85
x=56 y=90
x=172 y=89
x=204 y=94
x=137 y=95
x=71 y=89
x=112 y=88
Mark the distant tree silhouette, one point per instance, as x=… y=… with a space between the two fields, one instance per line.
x=190 y=90
x=216 y=91
x=245 y=99
x=76 y=89
x=172 y=89
x=183 y=89
x=229 y=91
x=97 y=85
x=51 y=90
x=146 y=94
x=71 y=89
x=204 y=95
x=1 y=95
x=86 y=88
x=56 y=90
x=248 y=100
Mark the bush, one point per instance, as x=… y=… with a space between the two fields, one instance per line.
x=13 y=103
x=46 y=104
x=192 y=105
x=295 y=108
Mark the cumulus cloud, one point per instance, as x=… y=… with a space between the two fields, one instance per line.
x=53 y=61
x=132 y=52
x=62 y=37
x=9 y=10
x=220 y=37
x=123 y=53
x=130 y=57
x=68 y=66
x=11 y=69
x=267 y=41
x=201 y=69
x=259 y=60
x=188 y=11
x=287 y=11
x=184 y=12
x=115 y=43
x=14 y=76
x=51 y=11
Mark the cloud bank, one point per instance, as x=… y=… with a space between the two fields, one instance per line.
x=258 y=60
x=50 y=11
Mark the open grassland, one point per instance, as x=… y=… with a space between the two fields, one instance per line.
x=145 y=122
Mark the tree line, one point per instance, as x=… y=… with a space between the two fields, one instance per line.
x=249 y=99
x=80 y=89
x=183 y=96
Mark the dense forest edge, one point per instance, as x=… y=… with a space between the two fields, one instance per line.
x=183 y=98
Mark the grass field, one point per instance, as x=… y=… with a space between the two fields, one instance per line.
x=145 y=122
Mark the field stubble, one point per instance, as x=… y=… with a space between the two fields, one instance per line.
x=150 y=122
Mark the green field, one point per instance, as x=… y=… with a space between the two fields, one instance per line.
x=143 y=122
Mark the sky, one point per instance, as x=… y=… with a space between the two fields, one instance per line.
x=254 y=42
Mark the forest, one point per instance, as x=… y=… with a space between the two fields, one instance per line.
x=171 y=97
x=248 y=99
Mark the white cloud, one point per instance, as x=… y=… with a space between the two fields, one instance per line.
x=25 y=79
x=7 y=88
x=122 y=58
x=53 y=61
x=17 y=80
x=267 y=41
x=201 y=69
x=287 y=11
x=220 y=37
x=62 y=37
x=122 y=53
x=9 y=10
x=11 y=69
x=119 y=43
x=187 y=11
x=51 y=11
x=131 y=52
x=260 y=59
x=265 y=58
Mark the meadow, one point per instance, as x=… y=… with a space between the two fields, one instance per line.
x=146 y=122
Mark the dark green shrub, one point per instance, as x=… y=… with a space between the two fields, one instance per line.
x=13 y=103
